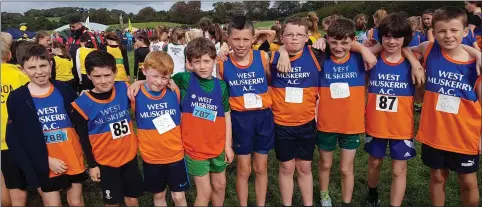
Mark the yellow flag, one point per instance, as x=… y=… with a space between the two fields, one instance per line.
x=130 y=25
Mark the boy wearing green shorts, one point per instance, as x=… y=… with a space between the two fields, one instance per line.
x=205 y=122
x=341 y=111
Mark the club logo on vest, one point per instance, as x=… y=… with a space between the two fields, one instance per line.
x=107 y=194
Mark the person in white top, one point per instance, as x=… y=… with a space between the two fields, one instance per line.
x=160 y=37
x=176 y=50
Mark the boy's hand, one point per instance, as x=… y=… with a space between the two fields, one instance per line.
x=369 y=58
x=57 y=166
x=284 y=63
x=479 y=63
x=94 y=174
x=320 y=44
x=418 y=74
x=228 y=155
x=172 y=85
x=222 y=56
x=134 y=89
x=370 y=42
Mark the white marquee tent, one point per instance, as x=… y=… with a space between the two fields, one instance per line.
x=92 y=26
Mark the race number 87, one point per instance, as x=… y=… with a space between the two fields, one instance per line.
x=387 y=103
x=120 y=129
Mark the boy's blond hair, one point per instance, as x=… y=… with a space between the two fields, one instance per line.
x=195 y=33
x=7 y=37
x=160 y=62
x=4 y=50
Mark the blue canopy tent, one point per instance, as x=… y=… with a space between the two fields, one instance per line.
x=17 y=33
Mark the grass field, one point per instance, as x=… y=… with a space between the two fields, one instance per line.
x=416 y=194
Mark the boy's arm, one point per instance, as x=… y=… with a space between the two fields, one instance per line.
x=229 y=154
x=475 y=54
x=15 y=144
x=421 y=48
x=476 y=46
x=430 y=36
x=134 y=89
x=418 y=73
x=267 y=69
x=225 y=47
x=284 y=63
x=478 y=90
x=228 y=150
x=218 y=74
x=81 y=128
x=270 y=34
x=368 y=57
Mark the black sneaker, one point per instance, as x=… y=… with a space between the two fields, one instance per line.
x=417 y=107
x=373 y=202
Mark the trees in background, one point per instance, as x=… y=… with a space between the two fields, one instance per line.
x=190 y=12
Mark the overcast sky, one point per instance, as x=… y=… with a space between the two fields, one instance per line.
x=128 y=6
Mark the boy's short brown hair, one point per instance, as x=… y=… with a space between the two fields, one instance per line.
x=34 y=51
x=199 y=47
x=294 y=21
x=160 y=62
x=449 y=13
x=342 y=28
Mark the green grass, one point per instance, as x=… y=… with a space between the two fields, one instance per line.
x=54 y=19
x=264 y=24
x=416 y=193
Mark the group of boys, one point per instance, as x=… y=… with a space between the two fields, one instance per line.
x=290 y=100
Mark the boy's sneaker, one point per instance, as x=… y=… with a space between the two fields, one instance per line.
x=326 y=201
x=373 y=202
x=417 y=107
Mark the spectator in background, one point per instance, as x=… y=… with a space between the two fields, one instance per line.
x=142 y=49
x=361 y=21
x=204 y=25
x=149 y=32
x=43 y=38
x=129 y=38
x=58 y=38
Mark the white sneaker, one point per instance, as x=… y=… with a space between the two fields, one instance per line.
x=326 y=202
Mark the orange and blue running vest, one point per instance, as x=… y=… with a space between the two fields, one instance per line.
x=156 y=115
x=203 y=123
x=389 y=110
x=248 y=85
x=451 y=113
x=341 y=107
x=111 y=132
x=295 y=93
x=60 y=137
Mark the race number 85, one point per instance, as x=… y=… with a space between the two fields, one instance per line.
x=387 y=103
x=119 y=129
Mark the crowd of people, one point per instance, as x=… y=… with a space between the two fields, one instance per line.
x=202 y=98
